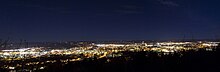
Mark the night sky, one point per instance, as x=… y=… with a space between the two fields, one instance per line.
x=73 y=20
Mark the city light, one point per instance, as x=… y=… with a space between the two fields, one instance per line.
x=96 y=51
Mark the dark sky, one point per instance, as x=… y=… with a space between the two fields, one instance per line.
x=60 y=20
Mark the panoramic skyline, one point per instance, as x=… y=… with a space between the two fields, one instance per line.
x=46 y=20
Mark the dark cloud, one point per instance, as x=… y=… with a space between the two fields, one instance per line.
x=130 y=9
x=168 y=2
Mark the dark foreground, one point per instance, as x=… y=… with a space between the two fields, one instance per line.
x=185 y=61
x=190 y=61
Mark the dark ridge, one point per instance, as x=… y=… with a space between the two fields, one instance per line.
x=189 y=61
